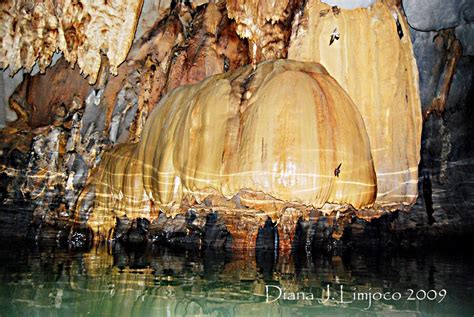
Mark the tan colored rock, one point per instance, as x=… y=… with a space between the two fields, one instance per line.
x=253 y=13
x=152 y=12
x=81 y=30
x=261 y=140
x=264 y=24
x=377 y=69
x=200 y=58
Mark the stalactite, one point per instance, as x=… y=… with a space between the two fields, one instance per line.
x=266 y=25
x=81 y=30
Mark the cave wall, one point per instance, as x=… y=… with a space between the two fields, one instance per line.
x=190 y=43
x=51 y=150
x=32 y=32
x=442 y=39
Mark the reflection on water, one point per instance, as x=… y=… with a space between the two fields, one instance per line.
x=163 y=282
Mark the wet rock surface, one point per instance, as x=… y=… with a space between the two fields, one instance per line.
x=446 y=73
x=47 y=156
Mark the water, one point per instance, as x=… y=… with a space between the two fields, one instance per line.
x=114 y=281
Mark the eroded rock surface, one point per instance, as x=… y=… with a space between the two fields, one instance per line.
x=48 y=155
x=81 y=30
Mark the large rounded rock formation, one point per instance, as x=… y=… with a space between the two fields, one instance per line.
x=285 y=134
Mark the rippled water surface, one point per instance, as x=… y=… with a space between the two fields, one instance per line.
x=114 y=281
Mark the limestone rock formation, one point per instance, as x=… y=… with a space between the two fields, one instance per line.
x=373 y=61
x=446 y=67
x=81 y=30
x=366 y=49
x=442 y=16
x=152 y=12
x=349 y=4
x=265 y=25
x=50 y=95
x=269 y=138
x=61 y=111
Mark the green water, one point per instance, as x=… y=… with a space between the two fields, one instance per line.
x=112 y=281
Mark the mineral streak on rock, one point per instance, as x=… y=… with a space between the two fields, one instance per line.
x=377 y=69
x=33 y=31
x=445 y=40
x=243 y=142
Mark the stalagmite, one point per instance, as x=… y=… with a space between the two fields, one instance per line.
x=240 y=142
x=375 y=64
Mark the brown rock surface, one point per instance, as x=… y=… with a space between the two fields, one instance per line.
x=43 y=96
